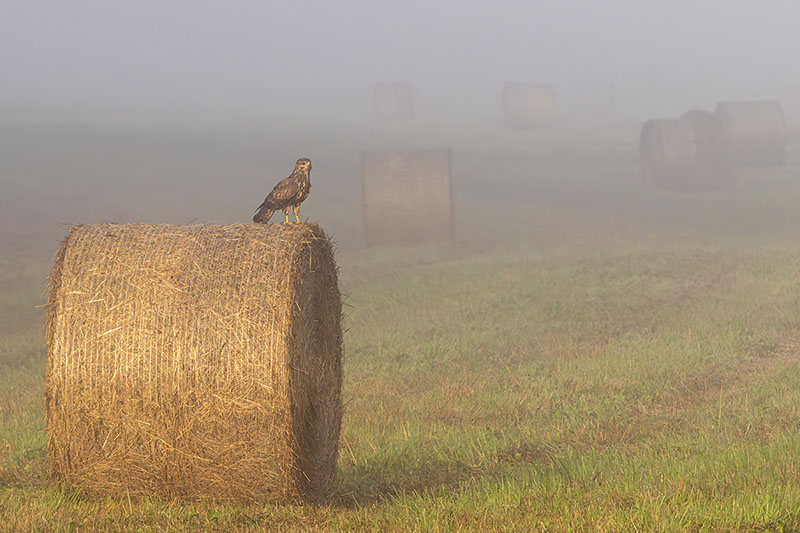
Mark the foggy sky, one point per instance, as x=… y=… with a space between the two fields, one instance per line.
x=211 y=58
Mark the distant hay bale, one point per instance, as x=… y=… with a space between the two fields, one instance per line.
x=713 y=168
x=407 y=197
x=394 y=101
x=754 y=133
x=667 y=152
x=195 y=361
x=706 y=129
x=529 y=104
x=672 y=155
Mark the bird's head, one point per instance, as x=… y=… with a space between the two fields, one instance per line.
x=303 y=164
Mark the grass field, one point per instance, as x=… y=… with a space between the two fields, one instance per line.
x=590 y=354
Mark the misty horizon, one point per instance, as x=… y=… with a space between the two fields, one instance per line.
x=322 y=60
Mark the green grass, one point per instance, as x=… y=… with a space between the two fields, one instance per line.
x=624 y=364
x=646 y=388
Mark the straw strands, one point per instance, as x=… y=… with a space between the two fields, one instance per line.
x=195 y=361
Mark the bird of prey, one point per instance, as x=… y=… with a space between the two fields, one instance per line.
x=288 y=194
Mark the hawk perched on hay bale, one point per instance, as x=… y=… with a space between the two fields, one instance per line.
x=288 y=194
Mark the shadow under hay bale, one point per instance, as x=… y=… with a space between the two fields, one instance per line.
x=669 y=157
x=407 y=197
x=195 y=361
x=754 y=133
x=529 y=105
x=394 y=101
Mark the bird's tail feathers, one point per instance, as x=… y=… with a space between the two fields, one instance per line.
x=263 y=215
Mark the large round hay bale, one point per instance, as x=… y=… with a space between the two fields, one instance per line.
x=529 y=104
x=407 y=197
x=394 y=101
x=195 y=361
x=754 y=133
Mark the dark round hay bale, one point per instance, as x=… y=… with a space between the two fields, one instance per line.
x=195 y=362
x=407 y=197
x=667 y=153
x=394 y=101
x=754 y=133
x=713 y=167
x=529 y=104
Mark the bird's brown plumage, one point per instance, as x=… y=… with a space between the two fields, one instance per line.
x=288 y=194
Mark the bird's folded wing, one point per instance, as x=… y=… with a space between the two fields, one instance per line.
x=284 y=191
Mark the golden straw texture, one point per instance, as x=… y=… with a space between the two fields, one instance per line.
x=195 y=361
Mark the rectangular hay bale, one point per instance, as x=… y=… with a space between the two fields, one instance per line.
x=407 y=197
